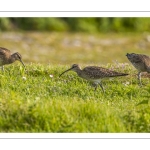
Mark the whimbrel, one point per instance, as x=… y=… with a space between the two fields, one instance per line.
x=94 y=74
x=140 y=62
x=7 y=58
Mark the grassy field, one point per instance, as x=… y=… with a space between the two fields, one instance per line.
x=37 y=100
x=67 y=48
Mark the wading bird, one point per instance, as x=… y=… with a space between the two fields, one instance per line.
x=140 y=62
x=94 y=74
x=6 y=57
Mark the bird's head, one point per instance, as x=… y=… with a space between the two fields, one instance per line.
x=131 y=55
x=18 y=57
x=74 y=67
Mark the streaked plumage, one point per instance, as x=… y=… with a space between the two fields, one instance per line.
x=94 y=73
x=140 y=62
x=7 y=58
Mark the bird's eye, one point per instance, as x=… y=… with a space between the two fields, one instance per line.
x=19 y=56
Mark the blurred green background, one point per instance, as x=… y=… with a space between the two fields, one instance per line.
x=99 y=40
x=90 y=25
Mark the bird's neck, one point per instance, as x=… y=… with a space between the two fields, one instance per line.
x=78 y=71
x=11 y=59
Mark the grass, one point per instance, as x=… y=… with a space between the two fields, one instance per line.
x=32 y=101
x=37 y=100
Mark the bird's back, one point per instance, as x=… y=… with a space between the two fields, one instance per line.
x=4 y=55
x=140 y=62
x=4 y=51
x=94 y=72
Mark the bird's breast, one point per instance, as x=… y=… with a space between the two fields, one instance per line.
x=139 y=66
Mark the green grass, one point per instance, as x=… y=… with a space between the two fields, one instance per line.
x=40 y=103
x=32 y=101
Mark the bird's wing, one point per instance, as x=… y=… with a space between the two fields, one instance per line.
x=146 y=60
x=140 y=58
x=99 y=72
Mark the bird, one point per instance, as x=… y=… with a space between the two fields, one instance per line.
x=141 y=62
x=94 y=74
x=6 y=57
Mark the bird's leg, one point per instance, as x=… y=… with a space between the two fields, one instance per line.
x=139 y=78
x=95 y=85
x=101 y=87
x=2 y=68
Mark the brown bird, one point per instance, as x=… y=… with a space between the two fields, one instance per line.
x=7 y=58
x=140 y=62
x=94 y=74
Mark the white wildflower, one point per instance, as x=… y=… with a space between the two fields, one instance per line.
x=51 y=76
x=111 y=79
x=126 y=83
x=24 y=78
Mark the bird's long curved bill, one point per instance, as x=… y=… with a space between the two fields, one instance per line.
x=22 y=62
x=64 y=72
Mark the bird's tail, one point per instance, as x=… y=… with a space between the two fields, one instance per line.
x=123 y=74
x=119 y=74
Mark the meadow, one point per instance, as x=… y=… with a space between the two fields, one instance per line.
x=37 y=100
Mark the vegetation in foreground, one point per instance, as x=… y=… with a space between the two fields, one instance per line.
x=37 y=100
